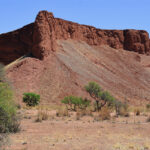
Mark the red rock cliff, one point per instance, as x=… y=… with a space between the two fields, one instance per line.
x=39 y=38
x=16 y=44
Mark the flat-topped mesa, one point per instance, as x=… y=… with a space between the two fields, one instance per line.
x=39 y=38
x=48 y=29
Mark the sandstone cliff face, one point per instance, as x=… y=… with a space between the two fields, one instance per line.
x=137 y=41
x=39 y=38
x=43 y=35
x=16 y=44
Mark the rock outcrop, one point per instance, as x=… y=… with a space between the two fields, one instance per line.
x=43 y=35
x=39 y=38
x=16 y=44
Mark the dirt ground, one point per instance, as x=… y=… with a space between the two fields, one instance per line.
x=68 y=133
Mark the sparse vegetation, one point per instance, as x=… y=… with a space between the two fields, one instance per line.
x=74 y=103
x=83 y=112
x=42 y=115
x=62 y=112
x=9 y=121
x=101 y=97
x=104 y=114
x=31 y=99
x=121 y=109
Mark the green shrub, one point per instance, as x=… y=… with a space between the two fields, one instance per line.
x=85 y=103
x=74 y=102
x=9 y=121
x=68 y=102
x=31 y=99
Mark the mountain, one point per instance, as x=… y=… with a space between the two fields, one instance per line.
x=56 y=58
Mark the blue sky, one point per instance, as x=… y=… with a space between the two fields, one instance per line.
x=104 y=14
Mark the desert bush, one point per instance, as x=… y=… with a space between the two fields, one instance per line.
x=123 y=112
x=74 y=102
x=42 y=115
x=31 y=99
x=62 y=112
x=104 y=114
x=9 y=121
x=83 y=112
x=121 y=109
x=85 y=103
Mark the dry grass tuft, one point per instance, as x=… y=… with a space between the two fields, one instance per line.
x=42 y=115
x=62 y=112
x=124 y=112
x=104 y=114
x=78 y=115
x=83 y=112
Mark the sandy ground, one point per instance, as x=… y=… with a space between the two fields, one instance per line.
x=67 y=133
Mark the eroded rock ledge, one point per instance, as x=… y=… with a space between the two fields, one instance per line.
x=39 y=38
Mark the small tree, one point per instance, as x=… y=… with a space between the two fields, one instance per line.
x=77 y=102
x=95 y=92
x=31 y=99
x=101 y=97
x=68 y=102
